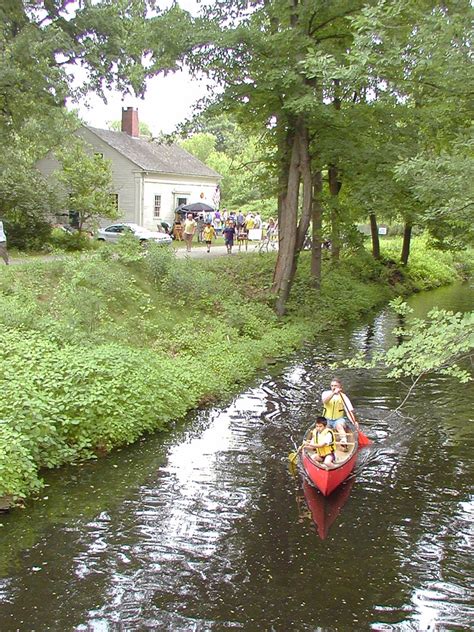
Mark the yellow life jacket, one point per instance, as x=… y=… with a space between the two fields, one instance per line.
x=318 y=437
x=334 y=409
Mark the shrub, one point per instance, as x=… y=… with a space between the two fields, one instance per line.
x=98 y=350
x=159 y=262
x=18 y=470
x=65 y=402
x=426 y=268
x=71 y=242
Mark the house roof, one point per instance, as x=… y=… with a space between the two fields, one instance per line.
x=150 y=155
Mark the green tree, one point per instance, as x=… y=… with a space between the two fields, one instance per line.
x=230 y=138
x=442 y=343
x=27 y=201
x=421 y=53
x=87 y=180
x=256 y=58
x=441 y=184
x=245 y=177
x=201 y=145
x=40 y=44
x=316 y=75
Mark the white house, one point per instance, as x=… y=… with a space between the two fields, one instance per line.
x=150 y=179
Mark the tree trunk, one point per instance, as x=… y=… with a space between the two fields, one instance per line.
x=291 y=232
x=307 y=180
x=406 y=243
x=374 y=231
x=317 y=217
x=334 y=188
x=335 y=185
x=287 y=231
x=285 y=145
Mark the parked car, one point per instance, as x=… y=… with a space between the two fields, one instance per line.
x=115 y=231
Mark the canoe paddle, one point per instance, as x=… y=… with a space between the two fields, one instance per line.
x=292 y=457
x=364 y=440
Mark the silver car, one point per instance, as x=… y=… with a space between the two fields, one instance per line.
x=115 y=231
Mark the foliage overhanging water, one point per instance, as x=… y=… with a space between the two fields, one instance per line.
x=206 y=529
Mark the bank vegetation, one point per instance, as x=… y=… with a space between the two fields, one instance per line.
x=101 y=348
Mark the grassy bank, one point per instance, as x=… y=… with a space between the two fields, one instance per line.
x=97 y=351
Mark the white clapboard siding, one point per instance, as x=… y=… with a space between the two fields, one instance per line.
x=136 y=186
x=126 y=176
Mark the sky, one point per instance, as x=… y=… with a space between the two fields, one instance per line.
x=167 y=102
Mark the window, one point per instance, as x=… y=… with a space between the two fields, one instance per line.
x=157 y=206
x=181 y=200
x=114 y=199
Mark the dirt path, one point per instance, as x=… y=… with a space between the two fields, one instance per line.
x=197 y=252
x=216 y=251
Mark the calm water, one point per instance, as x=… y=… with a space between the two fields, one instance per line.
x=206 y=529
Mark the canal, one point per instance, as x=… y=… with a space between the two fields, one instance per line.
x=206 y=528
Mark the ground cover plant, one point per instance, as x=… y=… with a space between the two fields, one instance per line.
x=99 y=349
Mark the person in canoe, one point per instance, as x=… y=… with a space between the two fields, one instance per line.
x=336 y=406
x=323 y=442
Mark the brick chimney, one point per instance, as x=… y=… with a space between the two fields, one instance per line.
x=130 y=122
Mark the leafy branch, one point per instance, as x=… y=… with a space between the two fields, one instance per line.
x=442 y=343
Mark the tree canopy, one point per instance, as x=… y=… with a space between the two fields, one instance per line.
x=340 y=112
x=52 y=51
x=359 y=103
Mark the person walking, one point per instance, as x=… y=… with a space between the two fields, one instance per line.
x=216 y=222
x=189 y=230
x=208 y=234
x=200 y=227
x=270 y=234
x=3 y=244
x=229 y=234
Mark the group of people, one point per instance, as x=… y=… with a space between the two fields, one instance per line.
x=233 y=226
x=219 y=219
x=337 y=412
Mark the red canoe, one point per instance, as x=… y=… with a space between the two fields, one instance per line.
x=327 y=477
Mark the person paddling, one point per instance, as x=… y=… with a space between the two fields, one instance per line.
x=336 y=406
x=323 y=442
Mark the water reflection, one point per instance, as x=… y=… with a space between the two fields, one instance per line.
x=199 y=530
x=325 y=509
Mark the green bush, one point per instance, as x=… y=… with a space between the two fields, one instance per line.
x=18 y=470
x=159 y=262
x=66 y=402
x=98 y=350
x=426 y=268
x=71 y=242
x=248 y=319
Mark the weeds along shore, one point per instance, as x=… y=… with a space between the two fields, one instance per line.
x=99 y=349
